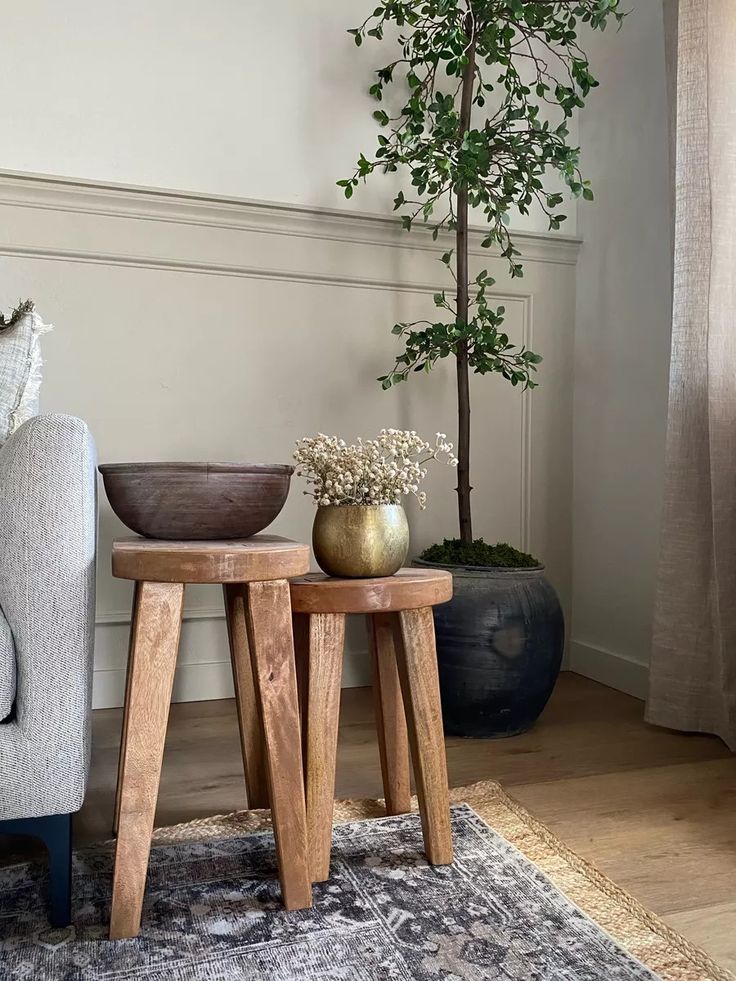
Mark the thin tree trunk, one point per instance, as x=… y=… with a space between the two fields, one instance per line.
x=463 y=379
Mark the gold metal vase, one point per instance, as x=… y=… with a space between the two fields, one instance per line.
x=360 y=541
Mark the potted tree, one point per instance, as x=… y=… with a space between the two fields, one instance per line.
x=490 y=86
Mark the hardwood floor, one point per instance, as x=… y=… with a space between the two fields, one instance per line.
x=653 y=809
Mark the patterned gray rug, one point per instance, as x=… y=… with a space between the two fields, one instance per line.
x=212 y=912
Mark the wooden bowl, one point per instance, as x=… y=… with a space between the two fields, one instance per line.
x=196 y=501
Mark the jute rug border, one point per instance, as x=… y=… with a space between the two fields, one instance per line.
x=633 y=926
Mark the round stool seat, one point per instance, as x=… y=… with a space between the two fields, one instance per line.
x=409 y=589
x=406 y=691
x=253 y=574
x=259 y=559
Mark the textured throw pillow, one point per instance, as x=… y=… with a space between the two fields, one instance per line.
x=20 y=367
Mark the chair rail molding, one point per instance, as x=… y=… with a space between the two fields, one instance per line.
x=196 y=326
x=97 y=199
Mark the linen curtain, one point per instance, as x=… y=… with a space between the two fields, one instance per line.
x=693 y=665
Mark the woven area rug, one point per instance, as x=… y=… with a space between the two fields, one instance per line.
x=212 y=909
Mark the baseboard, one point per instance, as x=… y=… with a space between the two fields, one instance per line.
x=203 y=669
x=614 y=670
x=206 y=680
x=200 y=681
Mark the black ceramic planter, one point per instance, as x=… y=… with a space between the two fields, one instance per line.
x=499 y=647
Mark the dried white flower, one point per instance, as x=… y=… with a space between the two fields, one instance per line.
x=374 y=471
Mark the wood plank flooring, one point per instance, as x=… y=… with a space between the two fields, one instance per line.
x=653 y=809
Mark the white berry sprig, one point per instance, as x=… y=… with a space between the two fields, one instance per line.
x=373 y=471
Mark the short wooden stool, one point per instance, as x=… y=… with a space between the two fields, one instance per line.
x=406 y=690
x=254 y=575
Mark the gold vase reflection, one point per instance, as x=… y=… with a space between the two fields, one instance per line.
x=360 y=541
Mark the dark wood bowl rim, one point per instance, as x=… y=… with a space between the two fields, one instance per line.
x=184 y=468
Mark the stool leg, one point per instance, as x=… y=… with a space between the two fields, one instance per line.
x=300 y=630
x=124 y=733
x=154 y=649
x=417 y=660
x=272 y=656
x=393 y=739
x=249 y=722
x=326 y=643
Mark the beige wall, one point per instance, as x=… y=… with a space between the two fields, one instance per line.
x=205 y=328
x=262 y=100
x=178 y=323
x=621 y=352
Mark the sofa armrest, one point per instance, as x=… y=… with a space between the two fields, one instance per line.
x=48 y=528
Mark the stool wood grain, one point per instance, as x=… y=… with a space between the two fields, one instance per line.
x=258 y=610
x=320 y=677
x=408 y=712
x=393 y=739
x=153 y=661
x=417 y=661
x=249 y=724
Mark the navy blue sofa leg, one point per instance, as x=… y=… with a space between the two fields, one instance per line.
x=56 y=833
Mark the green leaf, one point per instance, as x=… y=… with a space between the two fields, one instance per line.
x=504 y=158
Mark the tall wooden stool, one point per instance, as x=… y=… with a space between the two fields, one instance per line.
x=254 y=575
x=406 y=691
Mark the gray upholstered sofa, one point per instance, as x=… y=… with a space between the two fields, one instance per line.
x=48 y=526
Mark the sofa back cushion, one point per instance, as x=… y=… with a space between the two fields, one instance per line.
x=20 y=367
x=7 y=668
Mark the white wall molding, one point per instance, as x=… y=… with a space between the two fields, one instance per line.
x=194 y=327
x=203 y=666
x=614 y=670
x=243 y=272
x=525 y=529
x=99 y=199
x=197 y=681
x=115 y=617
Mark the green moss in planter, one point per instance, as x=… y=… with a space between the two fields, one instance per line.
x=455 y=552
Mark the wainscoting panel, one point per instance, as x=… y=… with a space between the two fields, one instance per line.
x=190 y=327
